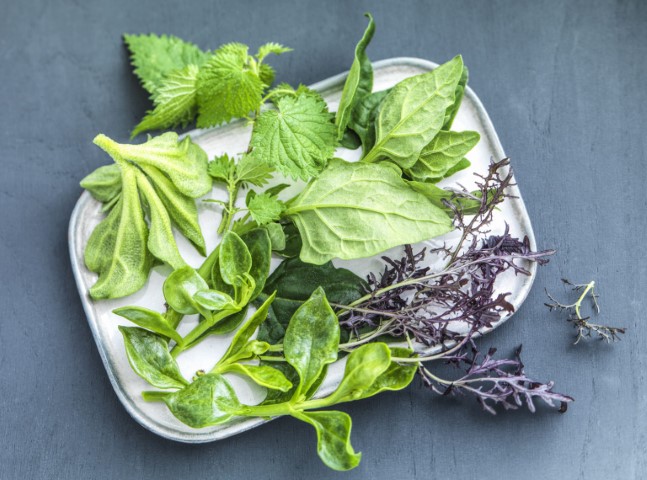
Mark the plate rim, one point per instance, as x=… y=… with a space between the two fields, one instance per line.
x=243 y=424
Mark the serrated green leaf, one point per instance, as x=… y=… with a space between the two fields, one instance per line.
x=359 y=82
x=154 y=57
x=442 y=154
x=298 y=138
x=357 y=210
x=227 y=87
x=265 y=208
x=271 y=48
x=221 y=168
x=413 y=113
x=150 y=358
x=250 y=170
x=267 y=74
x=175 y=102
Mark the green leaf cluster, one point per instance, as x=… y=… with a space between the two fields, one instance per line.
x=157 y=180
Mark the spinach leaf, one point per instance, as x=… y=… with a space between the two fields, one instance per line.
x=263 y=375
x=359 y=82
x=260 y=249
x=149 y=357
x=333 y=438
x=395 y=377
x=213 y=300
x=451 y=112
x=438 y=196
x=244 y=334
x=209 y=400
x=294 y=282
x=311 y=340
x=442 y=154
x=276 y=236
x=180 y=287
x=413 y=113
x=362 y=119
x=350 y=140
x=234 y=259
x=356 y=210
x=150 y=320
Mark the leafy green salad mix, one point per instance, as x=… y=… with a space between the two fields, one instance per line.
x=291 y=323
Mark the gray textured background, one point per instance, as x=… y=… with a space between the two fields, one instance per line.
x=564 y=83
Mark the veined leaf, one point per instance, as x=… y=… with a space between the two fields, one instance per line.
x=175 y=102
x=263 y=375
x=234 y=258
x=149 y=357
x=451 y=112
x=362 y=119
x=150 y=320
x=179 y=207
x=356 y=210
x=116 y=250
x=227 y=86
x=298 y=138
x=413 y=113
x=438 y=196
x=154 y=57
x=209 y=400
x=244 y=334
x=161 y=242
x=265 y=208
x=250 y=170
x=104 y=184
x=359 y=82
x=180 y=287
x=311 y=339
x=333 y=438
x=271 y=48
x=442 y=154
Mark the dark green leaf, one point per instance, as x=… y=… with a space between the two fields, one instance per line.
x=350 y=140
x=362 y=120
x=149 y=357
x=209 y=400
x=234 y=258
x=311 y=339
x=333 y=438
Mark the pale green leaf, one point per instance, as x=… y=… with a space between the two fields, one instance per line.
x=451 y=112
x=221 y=168
x=271 y=48
x=442 y=154
x=104 y=184
x=265 y=208
x=413 y=113
x=250 y=170
x=149 y=320
x=357 y=210
x=298 y=138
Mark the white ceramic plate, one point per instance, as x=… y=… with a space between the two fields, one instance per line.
x=233 y=138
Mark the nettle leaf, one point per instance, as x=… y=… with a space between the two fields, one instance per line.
x=222 y=168
x=249 y=170
x=175 y=102
x=413 y=113
x=180 y=287
x=265 y=208
x=154 y=57
x=362 y=119
x=150 y=358
x=442 y=154
x=333 y=438
x=209 y=400
x=227 y=86
x=451 y=112
x=271 y=48
x=298 y=138
x=359 y=82
x=311 y=339
x=263 y=375
x=161 y=242
x=104 y=184
x=357 y=210
x=116 y=249
x=283 y=90
x=294 y=282
x=149 y=320
x=180 y=208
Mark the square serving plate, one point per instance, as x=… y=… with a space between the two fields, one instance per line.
x=233 y=138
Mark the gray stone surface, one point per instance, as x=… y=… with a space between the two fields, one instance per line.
x=564 y=83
